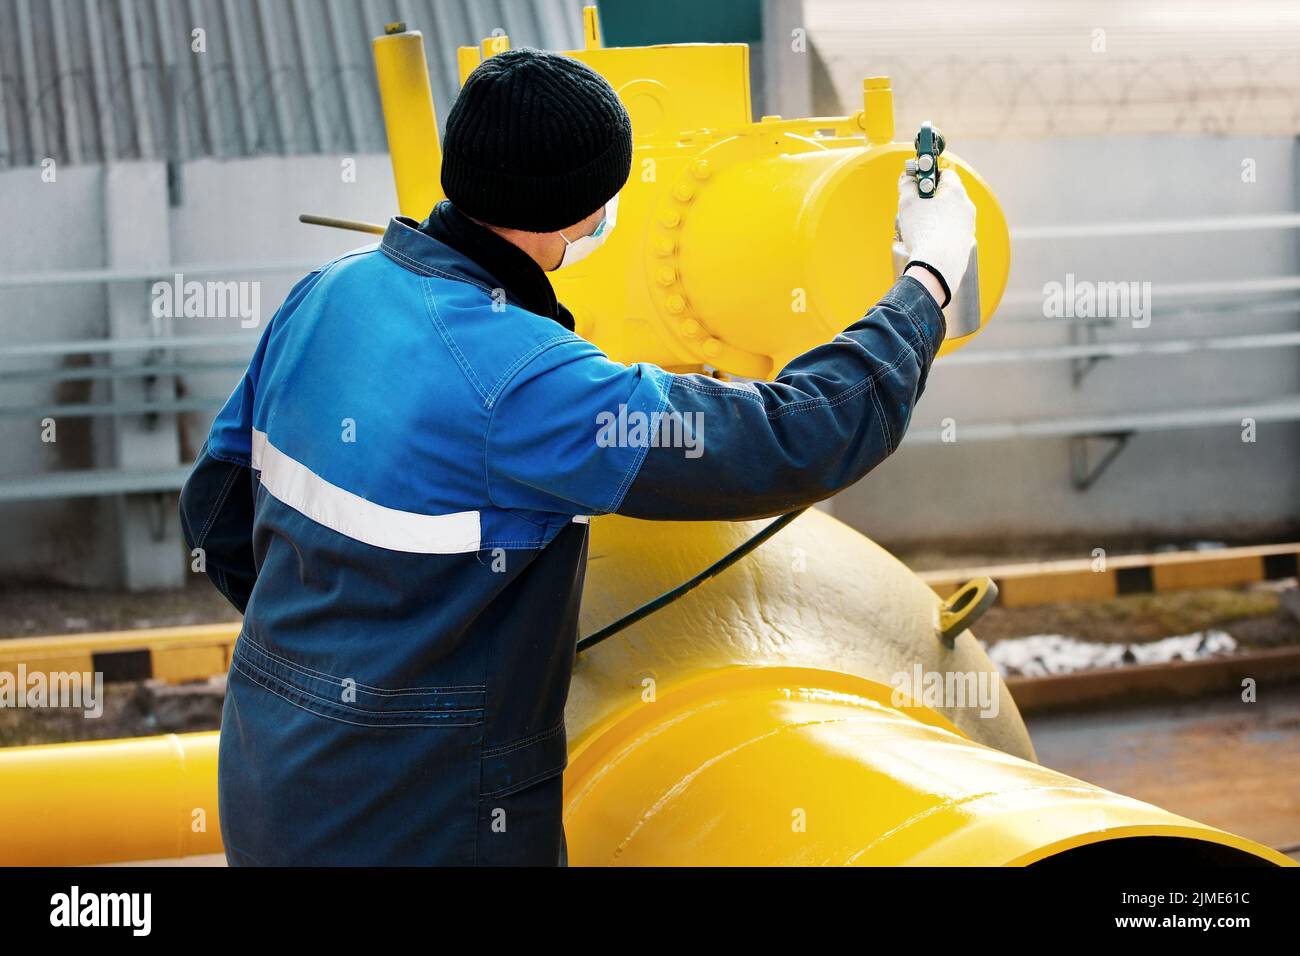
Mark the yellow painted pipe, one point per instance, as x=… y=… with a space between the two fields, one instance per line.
x=753 y=722
x=467 y=57
x=877 y=117
x=793 y=767
x=109 y=801
x=591 y=39
x=409 y=119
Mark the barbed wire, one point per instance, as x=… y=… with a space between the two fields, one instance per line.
x=184 y=114
x=1005 y=97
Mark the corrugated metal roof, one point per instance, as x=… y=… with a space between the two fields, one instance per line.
x=86 y=81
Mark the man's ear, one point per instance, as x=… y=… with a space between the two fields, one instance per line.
x=585 y=226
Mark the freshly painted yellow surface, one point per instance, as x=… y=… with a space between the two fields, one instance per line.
x=766 y=717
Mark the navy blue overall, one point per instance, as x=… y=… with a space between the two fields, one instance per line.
x=396 y=496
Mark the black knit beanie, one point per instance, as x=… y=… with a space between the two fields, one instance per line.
x=535 y=141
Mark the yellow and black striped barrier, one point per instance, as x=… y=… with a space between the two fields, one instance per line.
x=173 y=654
x=197 y=652
x=1101 y=578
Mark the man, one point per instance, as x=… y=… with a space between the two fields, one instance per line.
x=396 y=494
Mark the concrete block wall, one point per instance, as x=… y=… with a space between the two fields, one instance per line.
x=1172 y=485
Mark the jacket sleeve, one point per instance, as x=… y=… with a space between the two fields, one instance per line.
x=218 y=496
x=217 y=517
x=217 y=499
x=576 y=431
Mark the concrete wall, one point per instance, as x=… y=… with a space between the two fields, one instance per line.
x=1170 y=484
x=50 y=226
x=96 y=217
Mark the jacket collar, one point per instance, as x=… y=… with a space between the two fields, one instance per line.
x=450 y=245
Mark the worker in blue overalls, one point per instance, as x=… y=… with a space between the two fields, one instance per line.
x=396 y=495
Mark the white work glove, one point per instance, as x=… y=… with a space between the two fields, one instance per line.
x=938 y=231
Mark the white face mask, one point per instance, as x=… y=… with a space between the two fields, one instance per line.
x=578 y=249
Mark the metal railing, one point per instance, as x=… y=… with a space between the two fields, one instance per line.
x=1208 y=299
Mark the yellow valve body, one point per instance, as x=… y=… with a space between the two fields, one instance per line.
x=754 y=248
x=741 y=245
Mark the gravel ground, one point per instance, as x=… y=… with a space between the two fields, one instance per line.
x=129 y=710
x=34 y=611
x=1253 y=616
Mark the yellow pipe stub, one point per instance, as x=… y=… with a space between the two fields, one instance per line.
x=409 y=119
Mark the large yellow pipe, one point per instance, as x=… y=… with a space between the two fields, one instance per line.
x=752 y=722
x=793 y=767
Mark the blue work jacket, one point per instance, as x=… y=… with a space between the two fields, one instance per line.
x=396 y=496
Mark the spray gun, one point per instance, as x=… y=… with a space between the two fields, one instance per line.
x=925 y=168
x=963 y=312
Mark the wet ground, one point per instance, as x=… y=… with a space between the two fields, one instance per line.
x=1218 y=760
x=1254 y=617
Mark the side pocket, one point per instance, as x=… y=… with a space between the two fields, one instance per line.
x=524 y=762
x=346 y=700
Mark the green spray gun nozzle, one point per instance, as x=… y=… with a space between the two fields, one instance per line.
x=925 y=167
x=963 y=313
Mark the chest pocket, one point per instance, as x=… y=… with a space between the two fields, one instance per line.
x=344 y=699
